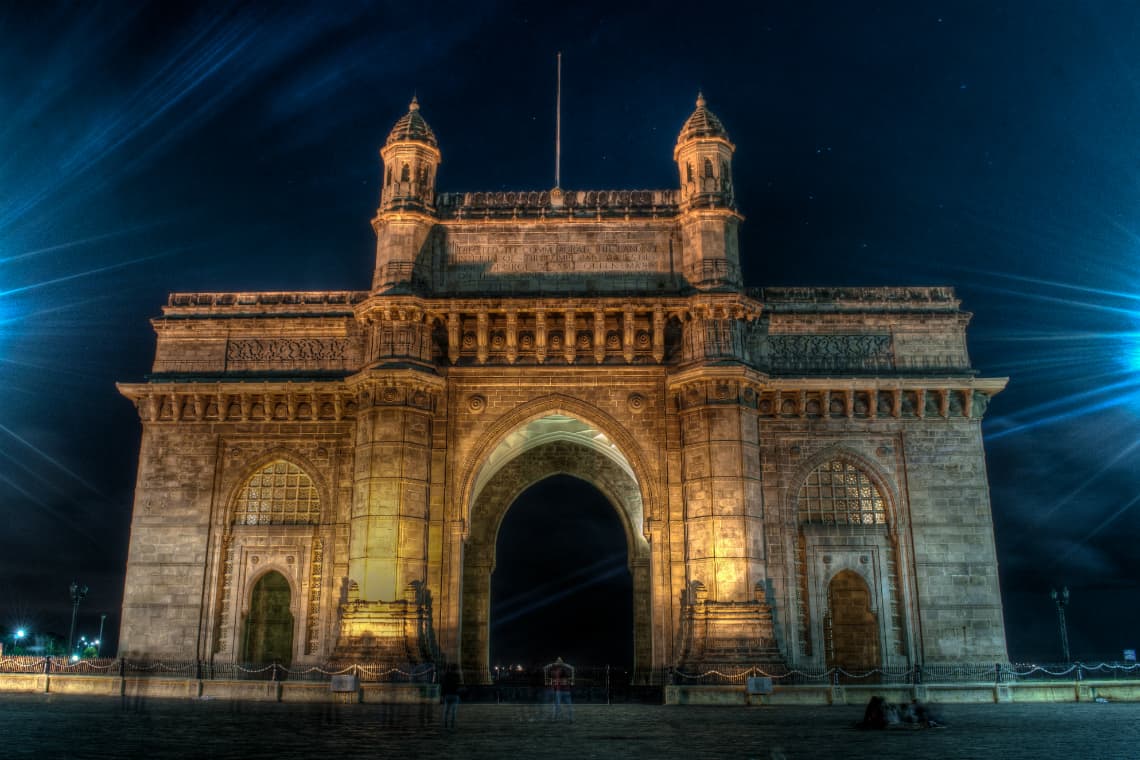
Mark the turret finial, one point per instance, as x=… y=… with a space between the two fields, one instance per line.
x=414 y=105
x=700 y=99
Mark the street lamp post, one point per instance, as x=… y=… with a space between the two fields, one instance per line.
x=99 y=641
x=1062 y=599
x=77 y=594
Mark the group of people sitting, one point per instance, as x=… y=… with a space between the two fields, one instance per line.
x=883 y=714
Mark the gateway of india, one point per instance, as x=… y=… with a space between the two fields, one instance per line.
x=799 y=471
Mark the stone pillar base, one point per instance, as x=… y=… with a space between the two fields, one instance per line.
x=395 y=632
x=731 y=634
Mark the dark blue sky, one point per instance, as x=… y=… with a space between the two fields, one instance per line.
x=149 y=148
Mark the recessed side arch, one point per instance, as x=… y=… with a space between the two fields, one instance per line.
x=824 y=549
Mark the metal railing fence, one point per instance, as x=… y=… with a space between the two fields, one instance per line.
x=585 y=677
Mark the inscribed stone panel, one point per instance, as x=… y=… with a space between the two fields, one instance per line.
x=418 y=430
x=531 y=256
x=696 y=463
x=414 y=500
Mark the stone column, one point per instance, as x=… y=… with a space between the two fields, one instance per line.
x=725 y=608
x=570 y=337
x=658 y=334
x=481 y=340
x=540 y=336
x=627 y=334
x=512 y=336
x=454 y=336
x=388 y=613
x=599 y=336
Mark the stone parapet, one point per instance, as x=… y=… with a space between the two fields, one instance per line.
x=540 y=204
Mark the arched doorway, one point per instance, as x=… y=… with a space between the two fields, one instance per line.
x=269 y=624
x=561 y=585
x=852 y=628
x=530 y=454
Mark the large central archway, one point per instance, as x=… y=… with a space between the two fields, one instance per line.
x=561 y=585
x=552 y=445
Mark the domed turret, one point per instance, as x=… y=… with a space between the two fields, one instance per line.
x=709 y=220
x=704 y=160
x=411 y=156
x=412 y=128
x=407 y=202
x=702 y=123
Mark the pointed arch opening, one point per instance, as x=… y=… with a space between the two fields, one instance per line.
x=269 y=623
x=851 y=627
x=849 y=595
x=554 y=444
x=561 y=585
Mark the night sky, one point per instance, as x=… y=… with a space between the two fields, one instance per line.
x=992 y=147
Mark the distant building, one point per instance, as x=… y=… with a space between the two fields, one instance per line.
x=799 y=471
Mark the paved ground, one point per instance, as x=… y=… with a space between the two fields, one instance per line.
x=52 y=726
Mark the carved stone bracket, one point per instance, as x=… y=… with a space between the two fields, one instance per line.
x=240 y=402
x=885 y=399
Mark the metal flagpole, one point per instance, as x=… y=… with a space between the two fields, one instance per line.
x=558 y=129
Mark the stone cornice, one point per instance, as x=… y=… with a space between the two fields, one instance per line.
x=834 y=398
x=315 y=303
x=409 y=307
x=824 y=299
x=241 y=401
x=564 y=204
x=397 y=387
x=269 y=401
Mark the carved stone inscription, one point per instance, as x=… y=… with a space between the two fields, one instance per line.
x=550 y=253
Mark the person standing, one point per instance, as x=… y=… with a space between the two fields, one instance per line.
x=560 y=676
x=449 y=688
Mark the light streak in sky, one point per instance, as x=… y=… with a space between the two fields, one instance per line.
x=87 y=273
x=49 y=458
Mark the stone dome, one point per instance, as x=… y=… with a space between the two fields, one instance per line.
x=702 y=123
x=412 y=127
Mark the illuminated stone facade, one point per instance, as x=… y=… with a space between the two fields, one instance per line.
x=799 y=471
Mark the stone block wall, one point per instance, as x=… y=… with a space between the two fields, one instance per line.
x=955 y=557
x=166 y=562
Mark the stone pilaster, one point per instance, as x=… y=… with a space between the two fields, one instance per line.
x=388 y=529
x=725 y=612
